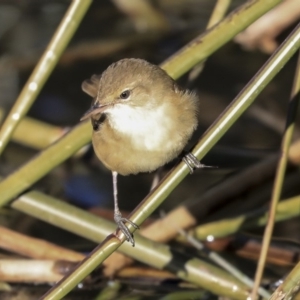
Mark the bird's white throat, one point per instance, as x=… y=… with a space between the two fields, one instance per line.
x=149 y=128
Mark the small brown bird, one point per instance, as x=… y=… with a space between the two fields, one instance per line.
x=141 y=121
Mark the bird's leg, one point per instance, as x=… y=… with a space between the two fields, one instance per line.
x=192 y=162
x=118 y=216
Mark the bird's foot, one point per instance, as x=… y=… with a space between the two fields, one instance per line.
x=121 y=224
x=193 y=163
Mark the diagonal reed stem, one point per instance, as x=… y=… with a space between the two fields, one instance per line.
x=217 y=15
x=157 y=255
x=279 y=177
x=43 y=69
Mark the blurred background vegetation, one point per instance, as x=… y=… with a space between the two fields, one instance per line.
x=107 y=34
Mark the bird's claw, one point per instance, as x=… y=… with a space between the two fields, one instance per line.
x=193 y=163
x=121 y=224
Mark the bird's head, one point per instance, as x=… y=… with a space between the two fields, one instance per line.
x=133 y=82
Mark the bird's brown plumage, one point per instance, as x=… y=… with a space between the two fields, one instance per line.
x=149 y=129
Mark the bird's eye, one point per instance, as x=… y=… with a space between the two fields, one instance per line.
x=125 y=94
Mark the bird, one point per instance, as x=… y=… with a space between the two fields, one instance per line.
x=141 y=120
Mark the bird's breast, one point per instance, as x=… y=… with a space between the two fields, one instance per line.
x=146 y=128
x=139 y=139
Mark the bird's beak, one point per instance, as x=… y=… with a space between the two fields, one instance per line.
x=94 y=110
